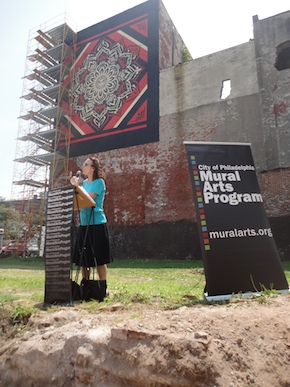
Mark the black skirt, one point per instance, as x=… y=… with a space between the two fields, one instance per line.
x=92 y=246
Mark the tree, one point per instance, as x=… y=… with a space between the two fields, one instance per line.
x=10 y=220
x=186 y=56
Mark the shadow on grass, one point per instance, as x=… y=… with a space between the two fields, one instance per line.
x=22 y=263
x=38 y=263
x=155 y=264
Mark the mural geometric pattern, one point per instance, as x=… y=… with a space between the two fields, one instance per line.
x=104 y=82
x=114 y=84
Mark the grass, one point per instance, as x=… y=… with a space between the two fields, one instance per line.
x=168 y=283
x=161 y=284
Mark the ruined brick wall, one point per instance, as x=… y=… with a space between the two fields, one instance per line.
x=170 y=42
x=275 y=186
x=149 y=202
x=274 y=94
x=271 y=36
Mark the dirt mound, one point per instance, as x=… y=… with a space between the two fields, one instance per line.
x=241 y=343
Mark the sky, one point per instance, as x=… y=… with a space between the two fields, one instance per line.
x=205 y=26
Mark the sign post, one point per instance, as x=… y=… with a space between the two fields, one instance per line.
x=238 y=248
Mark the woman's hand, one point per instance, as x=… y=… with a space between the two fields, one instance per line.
x=74 y=181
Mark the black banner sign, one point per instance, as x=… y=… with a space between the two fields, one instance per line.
x=59 y=213
x=238 y=248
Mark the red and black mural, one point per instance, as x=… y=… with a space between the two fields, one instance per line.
x=114 y=83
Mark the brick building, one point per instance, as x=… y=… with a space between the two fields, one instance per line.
x=149 y=201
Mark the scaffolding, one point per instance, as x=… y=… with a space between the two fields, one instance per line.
x=43 y=140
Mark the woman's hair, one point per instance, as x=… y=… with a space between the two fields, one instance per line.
x=98 y=172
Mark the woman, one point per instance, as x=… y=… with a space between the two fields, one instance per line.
x=94 y=236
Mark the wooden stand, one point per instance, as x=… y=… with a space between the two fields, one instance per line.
x=82 y=199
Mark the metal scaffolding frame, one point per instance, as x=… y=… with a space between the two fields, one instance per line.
x=39 y=159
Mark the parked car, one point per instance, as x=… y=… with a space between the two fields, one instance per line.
x=33 y=250
x=14 y=248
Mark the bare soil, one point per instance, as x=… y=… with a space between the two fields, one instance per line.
x=244 y=342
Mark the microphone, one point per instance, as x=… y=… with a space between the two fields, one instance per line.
x=78 y=173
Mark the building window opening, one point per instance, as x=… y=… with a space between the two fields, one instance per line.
x=283 y=56
x=226 y=89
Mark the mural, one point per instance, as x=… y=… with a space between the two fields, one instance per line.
x=114 y=83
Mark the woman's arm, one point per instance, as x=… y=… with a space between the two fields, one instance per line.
x=93 y=195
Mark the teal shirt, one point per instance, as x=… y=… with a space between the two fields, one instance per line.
x=98 y=216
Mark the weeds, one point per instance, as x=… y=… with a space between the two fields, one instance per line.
x=20 y=314
x=162 y=284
